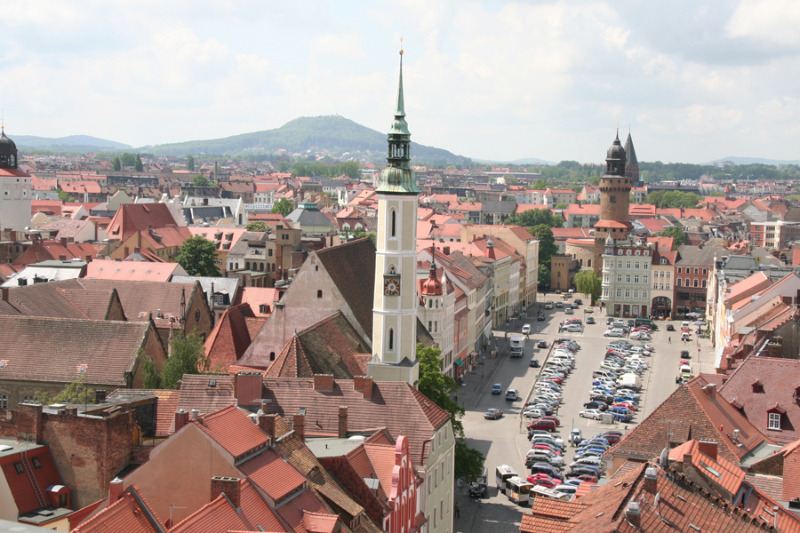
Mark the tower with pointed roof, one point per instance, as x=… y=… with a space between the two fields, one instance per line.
x=394 y=320
x=631 y=163
x=615 y=190
x=15 y=187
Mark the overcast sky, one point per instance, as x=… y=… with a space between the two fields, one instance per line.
x=694 y=81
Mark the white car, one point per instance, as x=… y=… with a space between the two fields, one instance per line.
x=571 y=327
x=614 y=332
x=594 y=414
x=526 y=329
x=640 y=335
x=533 y=413
x=590 y=460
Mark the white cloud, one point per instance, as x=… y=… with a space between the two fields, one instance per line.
x=770 y=21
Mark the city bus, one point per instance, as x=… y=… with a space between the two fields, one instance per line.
x=502 y=473
x=518 y=490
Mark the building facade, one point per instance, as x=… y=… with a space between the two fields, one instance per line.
x=626 y=278
x=615 y=188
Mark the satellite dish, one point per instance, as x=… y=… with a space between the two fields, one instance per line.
x=662 y=459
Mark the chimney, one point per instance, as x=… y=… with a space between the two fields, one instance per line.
x=5 y=294
x=247 y=388
x=711 y=390
x=708 y=447
x=651 y=480
x=634 y=514
x=181 y=419
x=299 y=421
x=229 y=486
x=267 y=425
x=364 y=385
x=115 y=489
x=63 y=241
x=446 y=250
x=323 y=382
x=195 y=414
x=342 y=421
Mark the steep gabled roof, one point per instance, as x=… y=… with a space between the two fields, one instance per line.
x=131 y=218
x=351 y=266
x=230 y=337
x=130 y=513
x=99 y=351
x=219 y=515
x=233 y=431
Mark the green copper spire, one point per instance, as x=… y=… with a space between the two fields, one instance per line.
x=398 y=178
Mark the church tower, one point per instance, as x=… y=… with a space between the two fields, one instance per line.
x=615 y=190
x=394 y=313
x=631 y=163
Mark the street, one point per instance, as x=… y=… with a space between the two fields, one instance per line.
x=504 y=441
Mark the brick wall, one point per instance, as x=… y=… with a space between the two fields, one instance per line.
x=89 y=452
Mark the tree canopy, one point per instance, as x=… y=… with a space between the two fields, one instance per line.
x=137 y=164
x=283 y=206
x=686 y=200
x=188 y=356
x=588 y=282
x=440 y=389
x=676 y=233
x=256 y=225
x=198 y=257
x=190 y=163
x=200 y=181
x=535 y=217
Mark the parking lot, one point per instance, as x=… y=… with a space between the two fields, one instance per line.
x=504 y=441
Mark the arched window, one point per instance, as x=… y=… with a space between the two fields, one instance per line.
x=394 y=224
x=677 y=282
x=391 y=340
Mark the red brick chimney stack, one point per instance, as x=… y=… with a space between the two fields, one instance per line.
x=115 y=489
x=342 y=421
x=229 y=486
x=267 y=425
x=651 y=480
x=181 y=419
x=300 y=426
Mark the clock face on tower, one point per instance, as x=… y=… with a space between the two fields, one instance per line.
x=391 y=286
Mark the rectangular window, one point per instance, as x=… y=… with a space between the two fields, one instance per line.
x=636 y=265
x=628 y=278
x=774 y=421
x=619 y=278
x=636 y=279
x=627 y=293
x=319 y=293
x=696 y=270
x=628 y=265
x=644 y=279
x=635 y=293
x=619 y=293
x=680 y=270
x=667 y=275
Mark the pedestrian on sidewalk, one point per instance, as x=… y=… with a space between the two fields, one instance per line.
x=669 y=340
x=457 y=510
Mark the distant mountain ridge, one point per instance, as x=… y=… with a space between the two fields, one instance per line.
x=71 y=142
x=755 y=161
x=334 y=135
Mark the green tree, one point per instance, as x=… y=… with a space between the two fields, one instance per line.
x=75 y=392
x=588 y=282
x=676 y=233
x=440 y=390
x=540 y=184
x=137 y=165
x=685 y=200
x=561 y=205
x=535 y=217
x=200 y=181
x=256 y=225
x=544 y=275
x=152 y=377
x=128 y=160
x=65 y=197
x=547 y=243
x=283 y=206
x=115 y=162
x=190 y=163
x=198 y=257
x=187 y=356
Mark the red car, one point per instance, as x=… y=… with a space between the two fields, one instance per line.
x=547 y=425
x=587 y=477
x=543 y=480
x=546 y=448
x=626 y=405
x=641 y=328
x=554 y=419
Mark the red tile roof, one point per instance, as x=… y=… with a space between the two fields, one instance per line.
x=411 y=413
x=757 y=282
x=132 y=270
x=780 y=379
x=131 y=218
x=220 y=516
x=130 y=514
x=196 y=392
x=229 y=339
x=235 y=433
x=320 y=522
x=719 y=470
x=270 y=473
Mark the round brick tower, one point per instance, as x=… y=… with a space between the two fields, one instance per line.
x=615 y=189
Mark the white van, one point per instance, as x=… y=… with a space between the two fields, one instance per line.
x=603 y=373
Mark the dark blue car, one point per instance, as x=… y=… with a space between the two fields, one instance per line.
x=497 y=388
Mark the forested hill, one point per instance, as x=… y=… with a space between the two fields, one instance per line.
x=331 y=135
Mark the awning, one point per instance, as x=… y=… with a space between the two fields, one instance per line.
x=459 y=362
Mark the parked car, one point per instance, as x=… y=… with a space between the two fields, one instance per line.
x=543 y=480
x=541 y=344
x=534 y=363
x=540 y=317
x=492 y=414
x=547 y=425
x=568 y=310
x=548 y=305
x=670 y=327
x=600 y=406
x=685 y=354
x=594 y=414
x=590 y=319
x=578 y=301
x=497 y=388
x=559 y=305
x=479 y=488
x=614 y=332
x=571 y=327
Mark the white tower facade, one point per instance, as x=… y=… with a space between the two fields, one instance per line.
x=394 y=314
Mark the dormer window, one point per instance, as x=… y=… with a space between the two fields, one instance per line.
x=774 y=421
x=663 y=260
x=758 y=387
